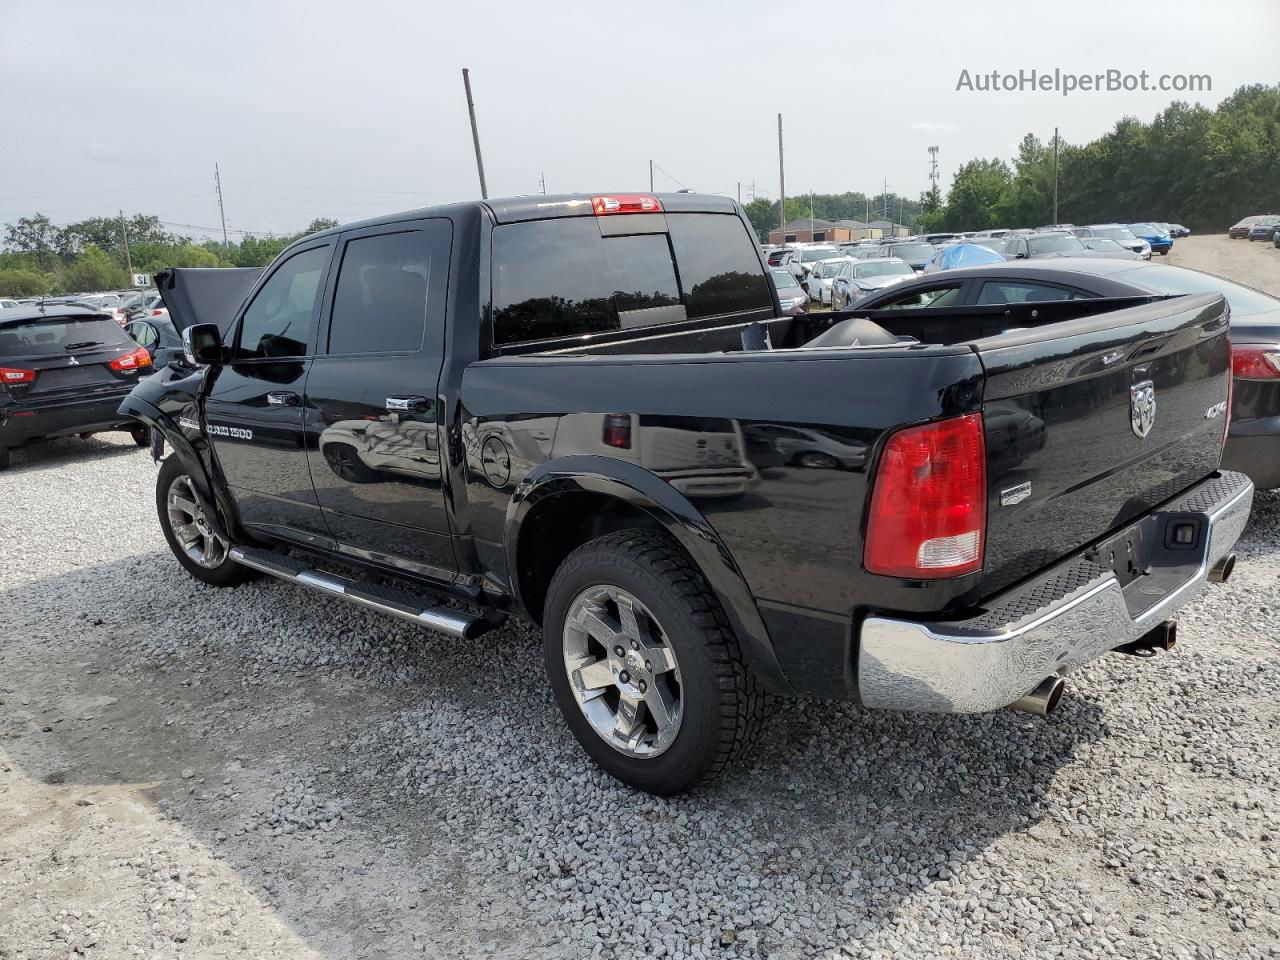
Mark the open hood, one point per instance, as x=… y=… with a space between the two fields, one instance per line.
x=205 y=294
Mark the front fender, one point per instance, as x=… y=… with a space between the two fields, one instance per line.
x=641 y=489
x=182 y=448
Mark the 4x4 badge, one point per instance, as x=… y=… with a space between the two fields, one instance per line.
x=1142 y=407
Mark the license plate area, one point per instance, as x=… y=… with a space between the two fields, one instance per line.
x=1125 y=553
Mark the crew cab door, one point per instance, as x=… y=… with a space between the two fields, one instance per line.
x=253 y=411
x=374 y=448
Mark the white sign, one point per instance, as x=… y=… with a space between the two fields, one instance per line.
x=142 y=279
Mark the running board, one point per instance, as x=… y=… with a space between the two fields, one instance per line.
x=398 y=603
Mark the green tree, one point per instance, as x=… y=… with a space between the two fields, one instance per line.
x=34 y=235
x=319 y=225
x=977 y=188
x=91 y=270
x=23 y=283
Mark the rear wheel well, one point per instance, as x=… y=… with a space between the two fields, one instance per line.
x=557 y=527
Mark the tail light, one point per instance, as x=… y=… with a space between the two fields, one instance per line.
x=928 y=514
x=12 y=375
x=626 y=203
x=132 y=360
x=617 y=431
x=1255 y=363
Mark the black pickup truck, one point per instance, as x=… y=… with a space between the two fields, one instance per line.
x=590 y=411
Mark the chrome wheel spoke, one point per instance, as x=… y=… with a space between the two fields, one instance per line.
x=594 y=676
x=179 y=502
x=626 y=722
x=661 y=706
x=599 y=627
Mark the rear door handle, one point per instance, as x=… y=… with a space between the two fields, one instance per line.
x=283 y=398
x=406 y=404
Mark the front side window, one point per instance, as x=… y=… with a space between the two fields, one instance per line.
x=380 y=300
x=916 y=300
x=280 y=320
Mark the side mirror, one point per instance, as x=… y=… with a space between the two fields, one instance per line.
x=202 y=344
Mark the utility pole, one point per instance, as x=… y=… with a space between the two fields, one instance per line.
x=811 y=216
x=933 y=167
x=542 y=182
x=124 y=232
x=1055 y=176
x=651 y=176
x=475 y=133
x=217 y=180
x=884 y=201
x=739 y=193
x=782 y=184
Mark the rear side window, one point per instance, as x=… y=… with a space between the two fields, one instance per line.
x=1004 y=291
x=561 y=278
x=380 y=301
x=58 y=336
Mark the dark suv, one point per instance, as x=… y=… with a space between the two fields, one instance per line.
x=64 y=370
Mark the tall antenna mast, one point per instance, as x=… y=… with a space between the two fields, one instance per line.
x=217 y=181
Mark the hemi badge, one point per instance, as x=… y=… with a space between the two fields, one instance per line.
x=1015 y=494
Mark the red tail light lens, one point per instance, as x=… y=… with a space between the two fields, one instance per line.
x=928 y=514
x=1255 y=363
x=12 y=375
x=133 y=360
x=626 y=203
x=617 y=431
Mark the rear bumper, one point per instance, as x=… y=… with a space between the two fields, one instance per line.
x=1066 y=617
x=54 y=418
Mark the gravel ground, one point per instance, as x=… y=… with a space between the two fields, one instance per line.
x=187 y=772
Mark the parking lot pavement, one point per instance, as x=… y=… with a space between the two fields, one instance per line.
x=1253 y=263
x=264 y=772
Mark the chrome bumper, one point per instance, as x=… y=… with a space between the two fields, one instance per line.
x=1066 y=617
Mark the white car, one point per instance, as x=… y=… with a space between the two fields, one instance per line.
x=6 y=304
x=817 y=283
x=860 y=277
x=803 y=258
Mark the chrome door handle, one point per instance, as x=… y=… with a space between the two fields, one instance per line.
x=283 y=398
x=406 y=404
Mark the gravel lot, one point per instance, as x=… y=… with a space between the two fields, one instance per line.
x=187 y=772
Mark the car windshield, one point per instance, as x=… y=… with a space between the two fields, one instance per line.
x=1118 y=234
x=1143 y=229
x=1056 y=243
x=1102 y=243
x=56 y=335
x=1159 y=278
x=810 y=254
x=884 y=268
x=997 y=244
x=783 y=278
x=911 y=251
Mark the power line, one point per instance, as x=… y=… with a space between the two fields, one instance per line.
x=657 y=166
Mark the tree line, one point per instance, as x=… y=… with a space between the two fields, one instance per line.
x=852 y=205
x=1202 y=168
x=41 y=258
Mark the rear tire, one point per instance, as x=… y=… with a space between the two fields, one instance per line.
x=679 y=703
x=202 y=553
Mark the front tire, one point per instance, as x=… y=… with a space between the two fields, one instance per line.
x=644 y=666
x=202 y=553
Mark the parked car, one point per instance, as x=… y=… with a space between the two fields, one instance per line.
x=1241 y=229
x=915 y=253
x=1158 y=238
x=803 y=259
x=1039 y=246
x=8 y=304
x=817 y=283
x=1253 y=439
x=945 y=574
x=64 y=370
x=779 y=256
x=937 y=239
x=809 y=448
x=954 y=255
x=158 y=336
x=991 y=234
x=1264 y=229
x=1111 y=248
x=857 y=278
x=792 y=297
x=1178 y=230
x=1275 y=239
x=998 y=245
x=1117 y=232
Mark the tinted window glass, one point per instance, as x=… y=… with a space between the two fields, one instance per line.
x=380 y=301
x=278 y=323
x=560 y=278
x=719 y=270
x=57 y=336
x=933 y=297
x=1007 y=292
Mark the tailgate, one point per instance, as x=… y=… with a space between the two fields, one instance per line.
x=1091 y=423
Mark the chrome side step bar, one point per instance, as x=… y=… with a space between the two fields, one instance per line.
x=398 y=603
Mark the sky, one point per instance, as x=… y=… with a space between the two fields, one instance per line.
x=355 y=109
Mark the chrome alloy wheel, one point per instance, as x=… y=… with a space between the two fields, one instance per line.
x=622 y=671
x=192 y=530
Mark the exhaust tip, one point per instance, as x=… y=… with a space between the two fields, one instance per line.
x=1222 y=569
x=1044 y=699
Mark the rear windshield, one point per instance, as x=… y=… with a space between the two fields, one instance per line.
x=783 y=278
x=1059 y=243
x=911 y=251
x=810 y=254
x=883 y=269
x=53 y=336
x=1158 y=278
x=561 y=278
